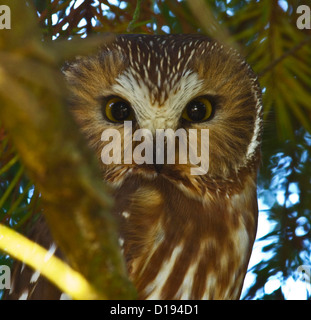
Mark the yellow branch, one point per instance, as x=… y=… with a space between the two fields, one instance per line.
x=59 y=273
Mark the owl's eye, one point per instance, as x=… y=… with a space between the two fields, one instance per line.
x=198 y=110
x=116 y=109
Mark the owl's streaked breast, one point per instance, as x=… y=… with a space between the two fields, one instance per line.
x=177 y=248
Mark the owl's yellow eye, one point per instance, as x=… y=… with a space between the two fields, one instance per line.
x=198 y=110
x=117 y=110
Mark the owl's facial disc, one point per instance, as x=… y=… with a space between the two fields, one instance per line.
x=156 y=148
x=167 y=116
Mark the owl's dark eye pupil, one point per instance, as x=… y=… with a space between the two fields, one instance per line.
x=196 y=110
x=120 y=110
x=117 y=110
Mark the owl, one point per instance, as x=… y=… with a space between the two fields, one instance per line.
x=183 y=235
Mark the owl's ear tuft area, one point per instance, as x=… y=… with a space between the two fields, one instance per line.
x=66 y=66
x=71 y=64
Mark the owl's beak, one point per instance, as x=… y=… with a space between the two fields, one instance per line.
x=157 y=166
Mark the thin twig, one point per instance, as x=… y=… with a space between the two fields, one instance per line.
x=135 y=16
x=288 y=53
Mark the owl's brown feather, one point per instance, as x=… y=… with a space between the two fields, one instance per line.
x=213 y=239
x=183 y=236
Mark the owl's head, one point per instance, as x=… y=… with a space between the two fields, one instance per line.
x=170 y=82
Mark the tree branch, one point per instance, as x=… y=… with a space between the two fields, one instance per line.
x=56 y=157
x=59 y=273
x=286 y=54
